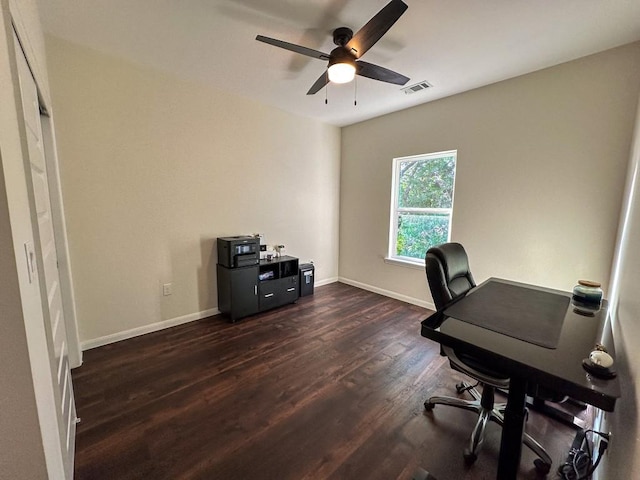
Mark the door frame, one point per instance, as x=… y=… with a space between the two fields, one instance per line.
x=57 y=205
x=58 y=455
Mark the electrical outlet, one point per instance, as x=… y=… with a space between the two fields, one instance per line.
x=167 y=289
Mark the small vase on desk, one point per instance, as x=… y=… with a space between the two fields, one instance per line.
x=587 y=297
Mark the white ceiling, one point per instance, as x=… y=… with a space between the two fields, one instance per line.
x=455 y=45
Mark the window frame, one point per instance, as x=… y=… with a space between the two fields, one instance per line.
x=392 y=257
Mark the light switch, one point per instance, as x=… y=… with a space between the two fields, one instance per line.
x=167 y=289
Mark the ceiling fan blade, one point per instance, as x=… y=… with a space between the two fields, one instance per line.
x=375 y=28
x=377 y=72
x=319 y=84
x=309 y=52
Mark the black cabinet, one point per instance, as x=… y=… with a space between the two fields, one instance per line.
x=238 y=291
x=245 y=291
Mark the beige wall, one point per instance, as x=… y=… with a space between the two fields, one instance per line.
x=154 y=168
x=21 y=449
x=541 y=168
x=623 y=460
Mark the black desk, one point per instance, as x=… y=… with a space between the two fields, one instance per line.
x=530 y=366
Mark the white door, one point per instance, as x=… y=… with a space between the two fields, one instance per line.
x=48 y=266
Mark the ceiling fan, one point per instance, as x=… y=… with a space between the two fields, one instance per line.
x=344 y=60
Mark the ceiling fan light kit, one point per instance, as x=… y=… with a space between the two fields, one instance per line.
x=344 y=61
x=341 y=72
x=342 y=68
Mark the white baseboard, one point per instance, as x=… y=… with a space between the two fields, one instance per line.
x=389 y=293
x=172 y=322
x=326 y=281
x=153 y=327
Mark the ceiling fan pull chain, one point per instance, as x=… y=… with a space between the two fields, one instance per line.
x=355 y=91
x=326 y=90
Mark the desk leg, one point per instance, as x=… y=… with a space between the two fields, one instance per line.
x=512 y=431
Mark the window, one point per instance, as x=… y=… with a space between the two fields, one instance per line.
x=421 y=204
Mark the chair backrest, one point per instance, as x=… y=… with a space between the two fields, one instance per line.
x=448 y=273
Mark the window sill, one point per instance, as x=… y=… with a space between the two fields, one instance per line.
x=417 y=264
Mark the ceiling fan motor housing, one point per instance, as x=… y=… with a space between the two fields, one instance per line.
x=342 y=35
x=341 y=55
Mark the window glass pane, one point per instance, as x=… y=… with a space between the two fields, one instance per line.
x=417 y=232
x=426 y=183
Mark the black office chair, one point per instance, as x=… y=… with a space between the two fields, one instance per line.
x=449 y=280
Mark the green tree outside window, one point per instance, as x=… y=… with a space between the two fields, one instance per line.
x=423 y=203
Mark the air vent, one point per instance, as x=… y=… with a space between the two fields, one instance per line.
x=416 y=87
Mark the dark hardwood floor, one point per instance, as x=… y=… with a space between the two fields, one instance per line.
x=330 y=387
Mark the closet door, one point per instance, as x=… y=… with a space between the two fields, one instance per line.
x=47 y=266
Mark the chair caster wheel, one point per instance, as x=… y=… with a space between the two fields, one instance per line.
x=428 y=406
x=542 y=467
x=460 y=387
x=469 y=457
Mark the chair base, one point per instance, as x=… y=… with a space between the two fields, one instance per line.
x=484 y=406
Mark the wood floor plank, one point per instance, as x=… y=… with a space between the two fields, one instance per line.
x=330 y=387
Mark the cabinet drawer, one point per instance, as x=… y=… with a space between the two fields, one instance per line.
x=274 y=293
x=269 y=294
x=289 y=289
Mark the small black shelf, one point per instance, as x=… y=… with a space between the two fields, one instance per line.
x=277 y=268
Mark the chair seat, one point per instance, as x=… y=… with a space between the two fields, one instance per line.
x=469 y=366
